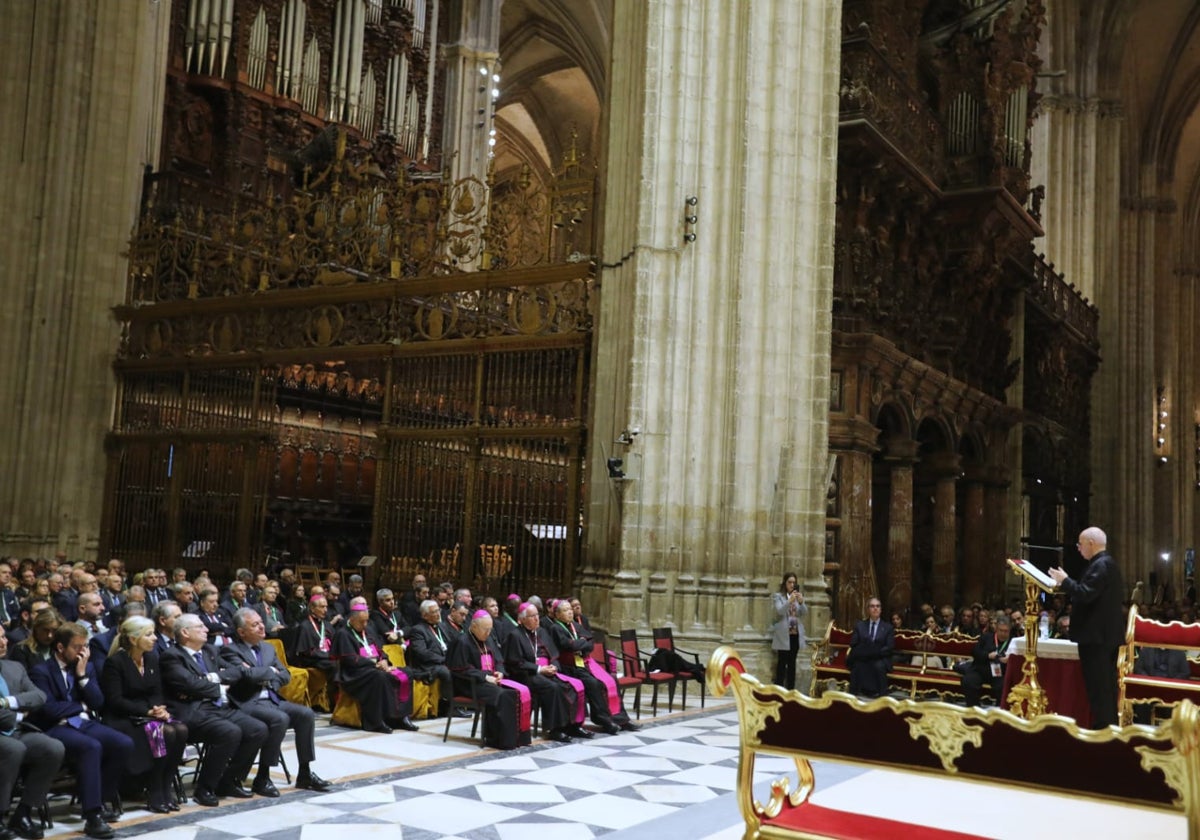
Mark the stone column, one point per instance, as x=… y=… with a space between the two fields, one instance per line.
x=975 y=539
x=471 y=61
x=901 y=455
x=945 y=572
x=857 y=572
x=82 y=84
x=1000 y=545
x=718 y=349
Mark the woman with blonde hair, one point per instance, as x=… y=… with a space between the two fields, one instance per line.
x=134 y=704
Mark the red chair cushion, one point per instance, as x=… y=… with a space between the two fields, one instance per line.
x=827 y=822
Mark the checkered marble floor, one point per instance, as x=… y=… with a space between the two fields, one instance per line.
x=673 y=779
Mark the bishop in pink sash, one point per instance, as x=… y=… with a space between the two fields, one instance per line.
x=477 y=666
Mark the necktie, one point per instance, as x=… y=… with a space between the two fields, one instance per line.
x=4 y=693
x=873 y=631
x=74 y=721
x=4 y=611
x=199 y=657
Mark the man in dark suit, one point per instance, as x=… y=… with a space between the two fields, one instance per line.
x=1097 y=622
x=236 y=599
x=154 y=581
x=70 y=715
x=216 y=618
x=255 y=691
x=164 y=615
x=114 y=599
x=870 y=657
x=28 y=755
x=426 y=656
x=529 y=661
x=62 y=596
x=192 y=675
x=10 y=605
x=988 y=661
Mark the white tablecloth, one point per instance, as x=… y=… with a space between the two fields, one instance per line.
x=1047 y=648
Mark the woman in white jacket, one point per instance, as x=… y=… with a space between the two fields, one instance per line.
x=787 y=634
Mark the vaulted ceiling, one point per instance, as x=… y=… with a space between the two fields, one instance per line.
x=554 y=64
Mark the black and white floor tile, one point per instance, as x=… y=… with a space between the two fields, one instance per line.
x=673 y=779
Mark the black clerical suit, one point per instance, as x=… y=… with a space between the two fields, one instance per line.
x=572 y=647
x=388 y=625
x=314 y=643
x=1098 y=627
x=233 y=737
x=502 y=705
x=255 y=691
x=375 y=689
x=71 y=714
x=555 y=698
x=870 y=657
x=426 y=656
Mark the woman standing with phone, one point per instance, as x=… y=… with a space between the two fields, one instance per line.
x=787 y=634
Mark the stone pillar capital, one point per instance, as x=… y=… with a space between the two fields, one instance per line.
x=900 y=449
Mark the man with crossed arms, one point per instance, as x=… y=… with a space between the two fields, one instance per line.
x=255 y=691
x=191 y=675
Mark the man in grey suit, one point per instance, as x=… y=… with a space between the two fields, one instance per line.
x=256 y=693
x=29 y=755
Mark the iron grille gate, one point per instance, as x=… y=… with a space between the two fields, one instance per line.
x=478 y=480
x=483 y=466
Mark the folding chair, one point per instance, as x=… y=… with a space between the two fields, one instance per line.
x=664 y=640
x=479 y=722
x=634 y=665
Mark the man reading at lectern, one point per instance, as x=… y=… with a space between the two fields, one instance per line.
x=1097 y=625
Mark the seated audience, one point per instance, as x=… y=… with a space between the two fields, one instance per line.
x=191 y=675
x=383 y=692
x=184 y=594
x=872 y=643
x=30 y=606
x=575 y=660
x=989 y=659
x=25 y=754
x=165 y=614
x=70 y=714
x=215 y=618
x=296 y=608
x=386 y=620
x=256 y=676
x=529 y=662
x=113 y=596
x=236 y=599
x=270 y=609
x=410 y=602
x=478 y=668
x=134 y=705
x=39 y=645
x=314 y=640
x=426 y=657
